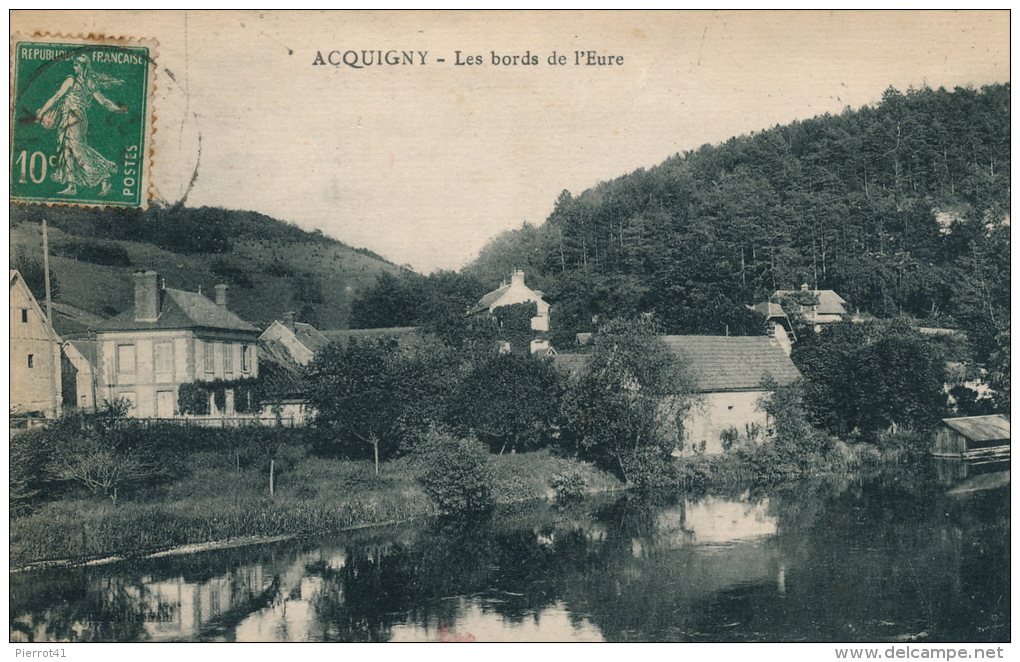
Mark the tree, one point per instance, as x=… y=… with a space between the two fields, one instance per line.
x=30 y=453
x=353 y=391
x=999 y=373
x=509 y=401
x=96 y=452
x=627 y=399
x=455 y=473
x=899 y=207
x=866 y=377
x=31 y=269
x=104 y=468
x=379 y=393
x=394 y=300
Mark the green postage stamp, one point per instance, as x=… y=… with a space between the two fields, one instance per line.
x=81 y=120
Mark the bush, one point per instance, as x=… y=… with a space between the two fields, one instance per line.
x=729 y=437
x=648 y=468
x=96 y=252
x=232 y=270
x=903 y=439
x=455 y=473
x=30 y=453
x=569 y=485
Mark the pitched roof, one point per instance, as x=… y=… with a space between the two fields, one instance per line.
x=829 y=303
x=181 y=310
x=87 y=348
x=18 y=281
x=489 y=299
x=769 y=309
x=70 y=321
x=980 y=428
x=734 y=363
x=721 y=363
x=344 y=336
x=309 y=336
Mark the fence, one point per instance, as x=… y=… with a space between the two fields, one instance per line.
x=27 y=422
x=19 y=423
x=223 y=422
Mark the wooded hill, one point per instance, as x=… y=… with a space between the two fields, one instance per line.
x=901 y=207
x=271 y=266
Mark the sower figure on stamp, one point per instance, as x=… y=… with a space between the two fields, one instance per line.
x=67 y=110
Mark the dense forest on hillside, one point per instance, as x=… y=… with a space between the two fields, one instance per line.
x=902 y=208
x=271 y=266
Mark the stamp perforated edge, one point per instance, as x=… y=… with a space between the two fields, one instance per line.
x=151 y=116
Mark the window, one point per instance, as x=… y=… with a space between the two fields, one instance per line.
x=228 y=358
x=24 y=315
x=125 y=362
x=246 y=352
x=210 y=357
x=31 y=360
x=163 y=360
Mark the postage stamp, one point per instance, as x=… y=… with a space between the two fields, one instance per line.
x=81 y=120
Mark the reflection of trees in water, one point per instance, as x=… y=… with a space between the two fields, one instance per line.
x=889 y=557
x=362 y=600
x=507 y=573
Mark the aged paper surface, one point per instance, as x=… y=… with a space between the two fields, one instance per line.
x=422 y=135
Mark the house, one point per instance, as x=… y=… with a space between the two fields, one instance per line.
x=35 y=355
x=972 y=438
x=285 y=348
x=779 y=325
x=168 y=338
x=818 y=307
x=517 y=292
x=79 y=387
x=298 y=340
x=731 y=373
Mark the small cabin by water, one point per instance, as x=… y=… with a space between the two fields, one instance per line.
x=972 y=437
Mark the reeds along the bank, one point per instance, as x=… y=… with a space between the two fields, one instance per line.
x=217 y=501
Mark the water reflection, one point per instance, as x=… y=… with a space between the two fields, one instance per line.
x=823 y=561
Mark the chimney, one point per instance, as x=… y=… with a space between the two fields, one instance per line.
x=221 y=295
x=147 y=296
x=288 y=320
x=517 y=278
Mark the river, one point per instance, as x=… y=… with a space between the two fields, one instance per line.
x=838 y=559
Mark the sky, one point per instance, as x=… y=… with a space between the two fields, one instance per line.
x=424 y=164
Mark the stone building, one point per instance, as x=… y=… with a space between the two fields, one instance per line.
x=171 y=337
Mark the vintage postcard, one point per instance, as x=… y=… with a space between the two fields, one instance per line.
x=516 y=326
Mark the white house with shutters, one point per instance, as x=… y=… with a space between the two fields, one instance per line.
x=517 y=292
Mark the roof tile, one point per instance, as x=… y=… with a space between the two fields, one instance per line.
x=980 y=428
x=181 y=310
x=721 y=363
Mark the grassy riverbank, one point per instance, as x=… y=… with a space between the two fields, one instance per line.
x=216 y=501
